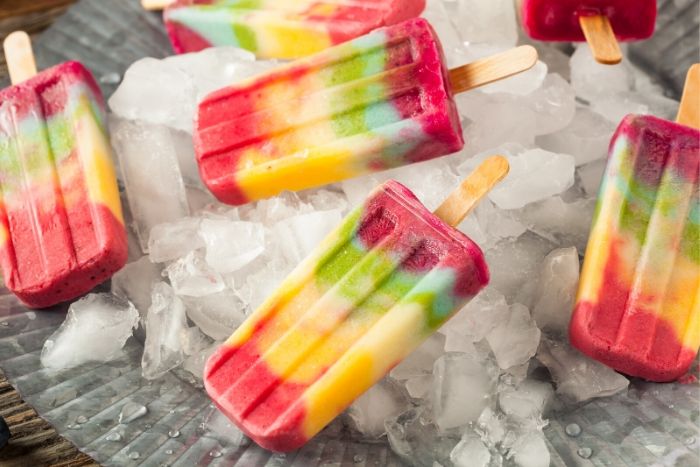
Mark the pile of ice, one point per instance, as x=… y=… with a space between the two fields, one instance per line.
x=478 y=392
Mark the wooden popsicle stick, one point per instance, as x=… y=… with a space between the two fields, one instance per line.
x=494 y=68
x=466 y=197
x=19 y=56
x=689 y=111
x=601 y=39
x=152 y=5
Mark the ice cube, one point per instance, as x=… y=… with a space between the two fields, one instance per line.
x=156 y=92
x=437 y=13
x=497 y=223
x=357 y=189
x=261 y=284
x=192 y=276
x=431 y=181
x=554 y=104
x=470 y=452
x=590 y=177
x=217 y=426
x=479 y=317
x=196 y=362
x=216 y=315
x=174 y=240
x=152 y=179
x=587 y=137
x=413 y=438
x=184 y=150
x=283 y=206
x=491 y=426
x=230 y=244
x=515 y=341
x=216 y=67
x=592 y=81
x=419 y=387
x=522 y=84
x=326 y=200
x=512 y=263
x=526 y=403
x=461 y=390
x=298 y=236
x=96 y=328
x=534 y=175
x=614 y=108
x=420 y=361
x=382 y=401
x=578 y=378
x=166 y=333
x=561 y=222
x=493 y=22
x=531 y=450
x=494 y=119
x=135 y=281
x=556 y=291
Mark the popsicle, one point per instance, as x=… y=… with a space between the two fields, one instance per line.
x=61 y=226
x=599 y=22
x=283 y=29
x=389 y=276
x=638 y=306
x=377 y=102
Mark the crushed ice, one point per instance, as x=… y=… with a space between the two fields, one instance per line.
x=470 y=395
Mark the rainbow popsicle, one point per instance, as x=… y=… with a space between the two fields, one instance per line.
x=280 y=28
x=638 y=308
x=371 y=293
x=377 y=102
x=559 y=20
x=61 y=226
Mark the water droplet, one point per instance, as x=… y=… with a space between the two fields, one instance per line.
x=585 y=453
x=114 y=436
x=73 y=426
x=131 y=411
x=134 y=455
x=573 y=430
x=358 y=458
x=110 y=78
x=215 y=453
x=689 y=440
x=671 y=406
x=81 y=419
x=168 y=451
x=173 y=433
x=4 y=324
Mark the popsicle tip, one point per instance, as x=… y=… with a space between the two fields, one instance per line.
x=473 y=189
x=19 y=56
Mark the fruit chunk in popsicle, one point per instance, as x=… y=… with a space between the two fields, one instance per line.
x=638 y=307
x=374 y=103
x=280 y=28
x=379 y=285
x=61 y=226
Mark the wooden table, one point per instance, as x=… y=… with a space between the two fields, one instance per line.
x=34 y=442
